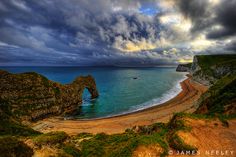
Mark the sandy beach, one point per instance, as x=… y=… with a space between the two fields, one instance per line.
x=184 y=101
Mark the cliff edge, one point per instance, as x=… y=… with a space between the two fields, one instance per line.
x=207 y=69
x=184 y=67
x=219 y=73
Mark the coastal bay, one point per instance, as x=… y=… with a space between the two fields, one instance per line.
x=183 y=102
x=119 y=93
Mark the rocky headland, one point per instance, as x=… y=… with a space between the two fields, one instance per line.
x=31 y=96
x=219 y=73
x=184 y=67
x=208 y=69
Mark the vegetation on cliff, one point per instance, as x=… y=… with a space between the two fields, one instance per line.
x=164 y=136
x=12 y=127
x=207 y=69
x=220 y=98
x=88 y=145
x=12 y=147
x=206 y=62
x=31 y=96
x=218 y=71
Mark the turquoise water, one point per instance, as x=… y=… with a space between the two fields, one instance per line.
x=122 y=90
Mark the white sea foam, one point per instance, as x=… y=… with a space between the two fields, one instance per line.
x=173 y=92
x=154 y=102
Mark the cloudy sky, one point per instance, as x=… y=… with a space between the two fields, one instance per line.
x=114 y=32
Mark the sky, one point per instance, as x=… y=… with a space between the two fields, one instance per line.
x=114 y=32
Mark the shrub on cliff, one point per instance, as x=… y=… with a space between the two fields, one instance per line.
x=177 y=124
x=164 y=135
x=220 y=98
x=11 y=147
x=9 y=126
x=50 y=138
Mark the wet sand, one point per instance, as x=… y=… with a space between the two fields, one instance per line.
x=183 y=102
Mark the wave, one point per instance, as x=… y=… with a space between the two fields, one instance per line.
x=173 y=92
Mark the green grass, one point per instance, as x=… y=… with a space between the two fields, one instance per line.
x=176 y=124
x=8 y=126
x=71 y=150
x=222 y=93
x=164 y=135
x=209 y=62
x=83 y=135
x=108 y=145
x=178 y=144
x=11 y=128
x=12 y=147
x=206 y=61
x=89 y=145
x=50 y=138
x=122 y=144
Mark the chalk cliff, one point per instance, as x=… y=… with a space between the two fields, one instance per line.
x=207 y=69
x=219 y=73
x=31 y=96
x=184 y=67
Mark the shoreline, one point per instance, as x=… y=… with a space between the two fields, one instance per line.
x=184 y=101
x=177 y=85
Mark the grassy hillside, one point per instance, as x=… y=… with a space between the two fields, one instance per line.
x=212 y=64
x=206 y=61
x=161 y=135
x=220 y=98
x=10 y=126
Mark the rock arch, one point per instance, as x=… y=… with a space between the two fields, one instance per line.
x=31 y=96
x=87 y=82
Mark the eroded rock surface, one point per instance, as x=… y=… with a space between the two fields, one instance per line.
x=207 y=69
x=31 y=96
x=184 y=67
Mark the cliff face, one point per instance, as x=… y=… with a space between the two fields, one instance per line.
x=220 y=98
x=30 y=96
x=218 y=72
x=207 y=69
x=184 y=67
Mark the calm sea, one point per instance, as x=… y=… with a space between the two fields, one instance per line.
x=122 y=90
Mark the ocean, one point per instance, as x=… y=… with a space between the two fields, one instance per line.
x=121 y=90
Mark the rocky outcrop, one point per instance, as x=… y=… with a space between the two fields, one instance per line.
x=207 y=69
x=220 y=98
x=184 y=67
x=31 y=96
x=219 y=73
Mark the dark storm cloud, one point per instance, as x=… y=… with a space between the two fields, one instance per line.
x=197 y=10
x=204 y=16
x=72 y=30
x=226 y=17
x=231 y=46
x=89 y=32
